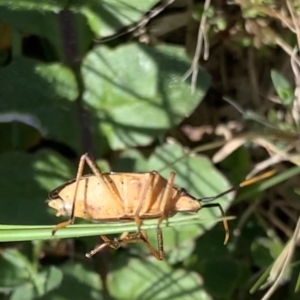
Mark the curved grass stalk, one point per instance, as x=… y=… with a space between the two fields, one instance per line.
x=13 y=233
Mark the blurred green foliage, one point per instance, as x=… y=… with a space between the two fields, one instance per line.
x=61 y=94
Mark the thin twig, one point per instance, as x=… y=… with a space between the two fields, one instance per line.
x=200 y=40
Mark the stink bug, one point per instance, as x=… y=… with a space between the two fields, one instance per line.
x=111 y=197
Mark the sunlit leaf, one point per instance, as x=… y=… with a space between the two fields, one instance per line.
x=137 y=92
x=152 y=279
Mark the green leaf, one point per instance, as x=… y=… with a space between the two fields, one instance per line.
x=45 y=281
x=221 y=277
x=12 y=275
x=46 y=5
x=23 y=292
x=78 y=283
x=106 y=17
x=49 y=91
x=26 y=180
x=52 y=26
x=265 y=250
x=131 y=160
x=51 y=278
x=25 y=283
x=182 y=252
x=137 y=93
x=152 y=279
x=32 y=283
x=283 y=88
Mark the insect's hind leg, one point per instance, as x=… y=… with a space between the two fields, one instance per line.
x=142 y=237
x=159 y=254
x=127 y=238
x=114 y=244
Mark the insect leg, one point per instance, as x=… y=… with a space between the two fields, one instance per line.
x=102 y=179
x=158 y=254
x=127 y=238
x=225 y=223
x=78 y=177
x=235 y=188
x=114 y=244
x=166 y=197
x=143 y=200
x=95 y=169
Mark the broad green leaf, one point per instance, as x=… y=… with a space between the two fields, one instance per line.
x=26 y=180
x=25 y=291
x=221 y=277
x=210 y=245
x=137 y=92
x=131 y=160
x=45 y=282
x=26 y=282
x=12 y=275
x=51 y=278
x=106 y=17
x=29 y=284
x=42 y=5
x=17 y=259
x=78 y=283
x=44 y=92
x=152 y=279
x=53 y=27
x=182 y=252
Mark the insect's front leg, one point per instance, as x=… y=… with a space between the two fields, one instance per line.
x=78 y=177
x=110 y=192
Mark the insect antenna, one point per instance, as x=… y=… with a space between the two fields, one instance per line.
x=235 y=188
x=240 y=185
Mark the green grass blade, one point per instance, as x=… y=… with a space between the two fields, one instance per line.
x=251 y=191
x=10 y=233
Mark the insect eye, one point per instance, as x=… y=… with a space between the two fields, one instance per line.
x=53 y=194
x=183 y=192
